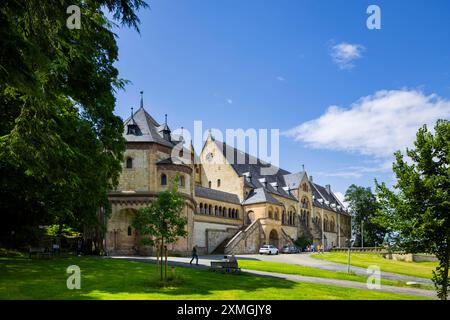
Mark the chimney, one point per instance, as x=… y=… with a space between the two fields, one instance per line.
x=328 y=187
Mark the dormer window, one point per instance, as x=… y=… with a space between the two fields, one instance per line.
x=133 y=129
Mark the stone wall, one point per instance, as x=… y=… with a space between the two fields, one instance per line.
x=219 y=169
x=247 y=241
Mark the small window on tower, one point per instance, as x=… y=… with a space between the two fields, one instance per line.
x=182 y=181
x=209 y=184
x=129 y=231
x=129 y=163
x=218 y=183
x=133 y=129
x=163 y=180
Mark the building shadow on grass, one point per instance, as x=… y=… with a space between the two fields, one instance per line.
x=122 y=279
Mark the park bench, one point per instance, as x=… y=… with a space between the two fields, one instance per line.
x=225 y=266
x=39 y=252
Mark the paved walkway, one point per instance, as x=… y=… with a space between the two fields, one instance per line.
x=304 y=259
x=205 y=262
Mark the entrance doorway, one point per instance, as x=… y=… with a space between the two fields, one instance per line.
x=273 y=238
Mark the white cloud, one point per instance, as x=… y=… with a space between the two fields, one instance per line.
x=280 y=78
x=343 y=54
x=355 y=172
x=375 y=125
x=229 y=101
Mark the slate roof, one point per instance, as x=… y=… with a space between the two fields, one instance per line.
x=216 y=195
x=149 y=129
x=243 y=163
x=329 y=199
x=260 y=195
x=265 y=186
x=292 y=180
x=174 y=160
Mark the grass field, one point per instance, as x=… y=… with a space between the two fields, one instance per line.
x=314 y=272
x=101 y=278
x=416 y=269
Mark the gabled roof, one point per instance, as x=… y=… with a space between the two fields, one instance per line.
x=293 y=180
x=260 y=195
x=149 y=129
x=216 y=195
x=243 y=163
x=280 y=183
x=330 y=201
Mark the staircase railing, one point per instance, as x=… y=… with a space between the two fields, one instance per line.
x=241 y=235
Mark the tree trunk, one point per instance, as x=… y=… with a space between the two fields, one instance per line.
x=162 y=255
x=165 y=264
x=445 y=275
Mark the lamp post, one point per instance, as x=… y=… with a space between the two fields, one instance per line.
x=362 y=233
x=323 y=234
x=350 y=243
x=339 y=226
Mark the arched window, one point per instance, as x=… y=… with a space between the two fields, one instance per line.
x=218 y=183
x=182 y=181
x=163 y=180
x=216 y=211
x=270 y=213
x=209 y=184
x=129 y=231
x=277 y=216
x=200 y=207
x=210 y=212
x=129 y=163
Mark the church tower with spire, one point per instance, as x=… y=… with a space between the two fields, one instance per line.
x=149 y=167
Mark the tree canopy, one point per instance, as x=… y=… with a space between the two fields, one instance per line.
x=61 y=146
x=419 y=208
x=363 y=206
x=162 y=221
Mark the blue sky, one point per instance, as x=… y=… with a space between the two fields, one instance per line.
x=282 y=64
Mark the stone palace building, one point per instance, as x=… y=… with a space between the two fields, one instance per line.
x=230 y=206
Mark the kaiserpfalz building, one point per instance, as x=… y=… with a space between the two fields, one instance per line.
x=230 y=205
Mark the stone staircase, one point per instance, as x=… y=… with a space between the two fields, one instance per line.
x=221 y=247
x=305 y=230
x=316 y=231
x=246 y=240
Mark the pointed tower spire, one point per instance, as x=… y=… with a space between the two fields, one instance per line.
x=142 y=99
x=165 y=130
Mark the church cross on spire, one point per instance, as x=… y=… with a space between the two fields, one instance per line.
x=142 y=99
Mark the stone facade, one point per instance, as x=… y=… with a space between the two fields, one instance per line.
x=228 y=210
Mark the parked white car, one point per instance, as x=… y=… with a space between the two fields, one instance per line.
x=268 y=249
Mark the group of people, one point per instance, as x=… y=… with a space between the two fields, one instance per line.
x=314 y=248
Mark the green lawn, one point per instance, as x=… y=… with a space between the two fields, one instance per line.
x=101 y=278
x=416 y=269
x=314 y=272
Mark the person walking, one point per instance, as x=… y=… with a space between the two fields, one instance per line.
x=194 y=255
